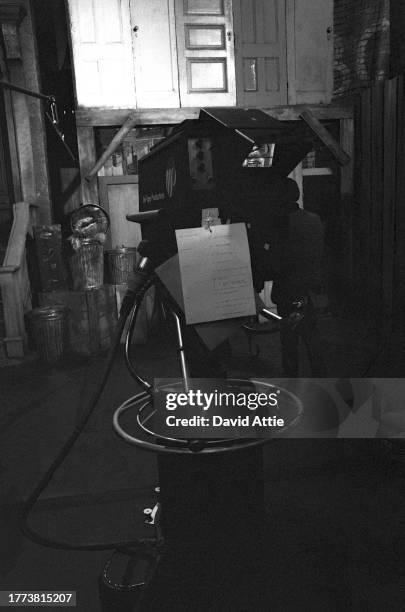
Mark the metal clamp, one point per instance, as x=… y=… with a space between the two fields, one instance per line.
x=208 y=223
x=152 y=514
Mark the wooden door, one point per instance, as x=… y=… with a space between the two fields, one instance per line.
x=102 y=53
x=155 y=54
x=205 y=44
x=261 y=53
x=310 y=51
x=119 y=195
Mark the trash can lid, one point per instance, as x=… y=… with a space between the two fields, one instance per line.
x=92 y=216
x=48 y=312
x=121 y=250
x=88 y=241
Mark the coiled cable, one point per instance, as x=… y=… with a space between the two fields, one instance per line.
x=129 y=308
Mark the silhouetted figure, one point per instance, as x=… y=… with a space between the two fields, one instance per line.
x=296 y=259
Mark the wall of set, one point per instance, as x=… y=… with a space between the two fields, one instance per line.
x=24 y=114
x=361 y=44
x=397 y=63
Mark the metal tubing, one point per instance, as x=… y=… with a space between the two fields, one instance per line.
x=269 y=314
x=212 y=446
x=28 y=92
x=61 y=135
x=144 y=383
x=183 y=363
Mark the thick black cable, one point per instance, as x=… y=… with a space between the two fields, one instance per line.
x=129 y=303
x=128 y=341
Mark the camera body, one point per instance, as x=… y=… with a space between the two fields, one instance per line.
x=230 y=159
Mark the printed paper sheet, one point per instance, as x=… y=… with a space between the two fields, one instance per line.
x=216 y=273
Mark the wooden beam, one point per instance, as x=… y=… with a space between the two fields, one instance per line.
x=127 y=126
x=364 y=273
x=326 y=137
x=400 y=214
x=19 y=117
x=12 y=145
x=87 y=158
x=104 y=117
x=322 y=112
x=11 y=16
x=291 y=57
x=347 y=141
x=388 y=221
x=376 y=157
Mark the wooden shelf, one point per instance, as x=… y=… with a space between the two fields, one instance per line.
x=103 y=117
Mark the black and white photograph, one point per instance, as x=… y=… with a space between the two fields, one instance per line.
x=202 y=305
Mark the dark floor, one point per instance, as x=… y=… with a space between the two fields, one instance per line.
x=333 y=538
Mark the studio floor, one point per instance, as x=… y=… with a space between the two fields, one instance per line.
x=335 y=529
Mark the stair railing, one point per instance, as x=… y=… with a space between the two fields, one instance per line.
x=14 y=280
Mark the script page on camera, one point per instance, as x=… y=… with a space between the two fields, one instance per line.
x=216 y=273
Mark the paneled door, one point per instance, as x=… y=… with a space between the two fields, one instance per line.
x=102 y=52
x=310 y=51
x=205 y=43
x=119 y=195
x=155 y=54
x=261 y=52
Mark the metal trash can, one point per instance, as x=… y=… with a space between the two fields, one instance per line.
x=120 y=263
x=87 y=265
x=48 y=327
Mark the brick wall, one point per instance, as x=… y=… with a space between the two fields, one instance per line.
x=362 y=44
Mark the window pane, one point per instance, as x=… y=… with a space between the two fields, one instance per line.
x=203 y=7
x=205 y=37
x=206 y=75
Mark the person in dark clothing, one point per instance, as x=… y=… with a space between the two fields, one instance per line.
x=296 y=256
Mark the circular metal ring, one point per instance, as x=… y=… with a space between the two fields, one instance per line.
x=182 y=446
x=179 y=441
